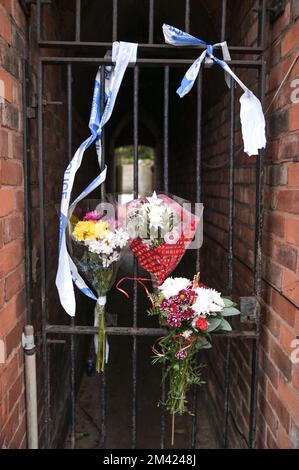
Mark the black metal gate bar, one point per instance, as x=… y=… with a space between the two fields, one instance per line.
x=187 y=16
x=103 y=192
x=129 y=331
x=199 y=149
x=114 y=20
x=103 y=132
x=27 y=192
x=103 y=46
x=198 y=198
x=223 y=19
x=72 y=320
x=44 y=313
x=166 y=129
x=151 y=22
x=257 y=275
x=230 y=254
x=78 y=21
x=135 y=266
x=144 y=62
x=258 y=245
x=166 y=189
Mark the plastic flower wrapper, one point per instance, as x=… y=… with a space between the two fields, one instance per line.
x=160 y=231
x=97 y=242
x=190 y=312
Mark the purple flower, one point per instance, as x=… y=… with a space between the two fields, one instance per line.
x=187 y=296
x=164 y=305
x=188 y=313
x=174 y=320
x=181 y=355
x=92 y=216
x=173 y=308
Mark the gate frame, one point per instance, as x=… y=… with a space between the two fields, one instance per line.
x=147 y=49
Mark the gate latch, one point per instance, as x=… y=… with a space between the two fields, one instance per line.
x=250 y=309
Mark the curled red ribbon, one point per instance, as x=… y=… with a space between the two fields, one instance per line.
x=155 y=351
x=188 y=343
x=140 y=281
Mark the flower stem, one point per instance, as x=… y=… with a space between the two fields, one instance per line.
x=100 y=365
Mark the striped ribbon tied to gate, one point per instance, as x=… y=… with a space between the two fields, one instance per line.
x=251 y=113
x=123 y=53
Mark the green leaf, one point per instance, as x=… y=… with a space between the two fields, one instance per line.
x=230 y=311
x=228 y=302
x=225 y=326
x=203 y=343
x=213 y=324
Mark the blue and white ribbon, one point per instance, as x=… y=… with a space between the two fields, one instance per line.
x=123 y=53
x=251 y=113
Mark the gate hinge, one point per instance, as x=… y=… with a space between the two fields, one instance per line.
x=250 y=309
x=30 y=112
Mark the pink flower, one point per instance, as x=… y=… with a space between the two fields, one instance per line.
x=174 y=320
x=164 y=305
x=188 y=313
x=92 y=216
x=173 y=308
x=187 y=296
x=181 y=355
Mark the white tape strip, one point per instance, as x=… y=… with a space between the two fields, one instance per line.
x=67 y=273
x=251 y=113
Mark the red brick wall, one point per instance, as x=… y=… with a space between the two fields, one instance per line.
x=278 y=404
x=12 y=293
x=13 y=29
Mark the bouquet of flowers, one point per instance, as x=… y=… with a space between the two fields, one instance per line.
x=97 y=247
x=160 y=231
x=190 y=312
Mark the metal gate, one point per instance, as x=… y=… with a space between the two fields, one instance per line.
x=152 y=55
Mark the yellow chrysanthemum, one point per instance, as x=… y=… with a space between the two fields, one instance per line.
x=84 y=230
x=100 y=229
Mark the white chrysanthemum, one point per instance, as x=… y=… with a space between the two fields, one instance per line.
x=107 y=261
x=122 y=238
x=107 y=246
x=114 y=257
x=93 y=245
x=202 y=304
x=216 y=298
x=208 y=301
x=172 y=286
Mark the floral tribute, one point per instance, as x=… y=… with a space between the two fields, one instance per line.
x=160 y=231
x=190 y=312
x=97 y=248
